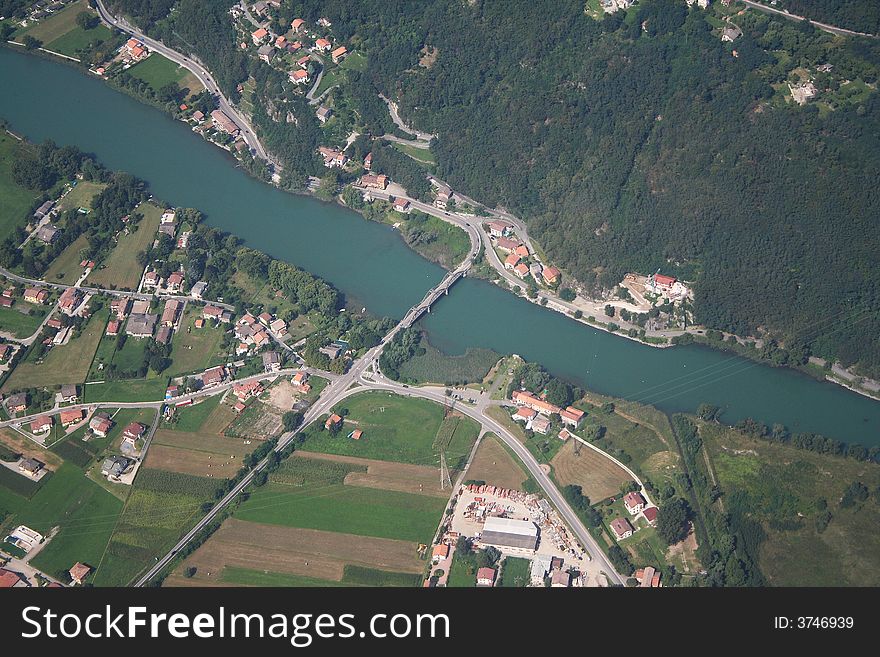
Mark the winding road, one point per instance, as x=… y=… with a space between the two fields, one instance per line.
x=794 y=17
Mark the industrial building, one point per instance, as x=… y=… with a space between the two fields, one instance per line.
x=507 y=532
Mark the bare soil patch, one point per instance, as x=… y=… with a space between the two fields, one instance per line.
x=494 y=465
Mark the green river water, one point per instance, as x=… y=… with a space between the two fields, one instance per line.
x=370 y=262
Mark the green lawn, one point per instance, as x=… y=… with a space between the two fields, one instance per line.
x=121 y=269
x=194 y=350
x=355 y=61
x=68 y=363
x=395 y=428
x=79 y=39
x=250 y=577
x=56 y=25
x=191 y=418
x=20 y=324
x=65 y=268
x=461 y=575
x=329 y=79
x=82 y=195
x=515 y=572
x=84 y=512
x=127 y=391
x=346 y=509
x=422 y=155
x=15 y=201
x=157 y=71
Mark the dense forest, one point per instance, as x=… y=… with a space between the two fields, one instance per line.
x=639 y=142
x=858 y=15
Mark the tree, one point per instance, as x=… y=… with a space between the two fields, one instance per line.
x=567 y=294
x=673 y=520
x=191 y=570
x=31 y=43
x=291 y=420
x=87 y=21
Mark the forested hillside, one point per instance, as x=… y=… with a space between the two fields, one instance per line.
x=635 y=143
x=858 y=15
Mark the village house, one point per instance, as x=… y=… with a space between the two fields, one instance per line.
x=133 y=432
x=32 y=467
x=10 y=579
x=303 y=62
x=535 y=269
x=324 y=22
x=244 y=391
x=374 y=181
x=214 y=376
x=223 y=123
x=322 y=45
x=259 y=35
x=803 y=92
x=140 y=306
x=541 y=425
x=730 y=33
x=197 y=291
x=486 y=577
x=550 y=275
x=563 y=435
x=41 y=424
x=152 y=279
x=368 y=161
x=119 y=307
x=54 y=323
x=266 y=53
x=524 y=414
x=198 y=116
x=5 y=351
x=115 y=466
x=212 y=312
x=356 y=434
x=511 y=261
x=47 y=233
x=560 y=578
x=572 y=416
x=17 y=402
x=647 y=577
x=439 y=553
x=36 y=295
x=521 y=270
x=522 y=251
x=300 y=380
x=69 y=393
x=271 y=361
x=141 y=325
x=113 y=327
x=444 y=195
x=506 y=244
x=70 y=416
x=300 y=76
x=101 y=425
x=281 y=42
x=339 y=54
x=622 y=528
x=634 y=502
x=499 y=228
x=402 y=205
x=69 y=300
x=6 y=302
x=651 y=515
x=134 y=49
x=163 y=335
x=278 y=327
x=44 y=210
x=527 y=399
x=323 y=114
x=79 y=572
x=333 y=351
x=172 y=308
x=175 y=282
x=238 y=408
x=298 y=25
x=334 y=421
x=332 y=157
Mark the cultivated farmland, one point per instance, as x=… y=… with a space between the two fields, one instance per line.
x=121 y=269
x=597 y=475
x=494 y=465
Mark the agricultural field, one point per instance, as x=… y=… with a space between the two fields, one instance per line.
x=158 y=71
x=60 y=32
x=495 y=465
x=161 y=505
x=121 y=270
x=67 y=363
x=130 y=390
x=19 y=322
x=15 y=200
x=195 y=350
x=787 y=491
x=598 y=476
x=295 y=554
x=83 y=512
x=65 y=268
x=311 y=494
x=18 y=444
x=396 y=428
x=259 y=421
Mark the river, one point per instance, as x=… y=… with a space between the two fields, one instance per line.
x=370 y=263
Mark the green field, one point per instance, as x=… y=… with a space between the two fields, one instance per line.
x=60 y=32
x=346 y=509
x=65 y=268
x=780 y=487
x=20 y=324
x=434 y=366
x=195 y=350
x=354 y=61
x=82 y=195
x=461 y=575
x=127 y=390
x=250 y=577
x=329 y=79
x=515 y=572
x=121 y=269
x=421 y=155
x=396 y=428
x=161 y=505
x=191 y=418
x=64 y=364
x=15 y=201
x=84 y=513
x=158 y=71
x=449 y=244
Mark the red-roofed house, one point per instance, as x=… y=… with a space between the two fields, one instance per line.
x=621 y=528
x=339 y=54
x=378 y=182
x=41 y=424
x=100 y=426
x=511 y=261
x=440 y=552
x=525 y=414
x=297 y=24
x=651 y=515
x=486 y=577
x=246 y=390
x=69 y=299
x=238 y=408
x=521 y=270
x=551 y=275
x=572 y=416
x=323 y=45
x=213 y=376
x=134 y=431
x=524 y=398
x=79 y=572
x=506 y=244
x=175 y=281
x=634 y=502
x=498 y=228
x=36 y=295
x=332 y=422
x=356 y=434
x=522 y=251
x=10 y=579
x=69 y=417
x=402 y=205
x=258 y=35
x=299 y=76
x=113 y=327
